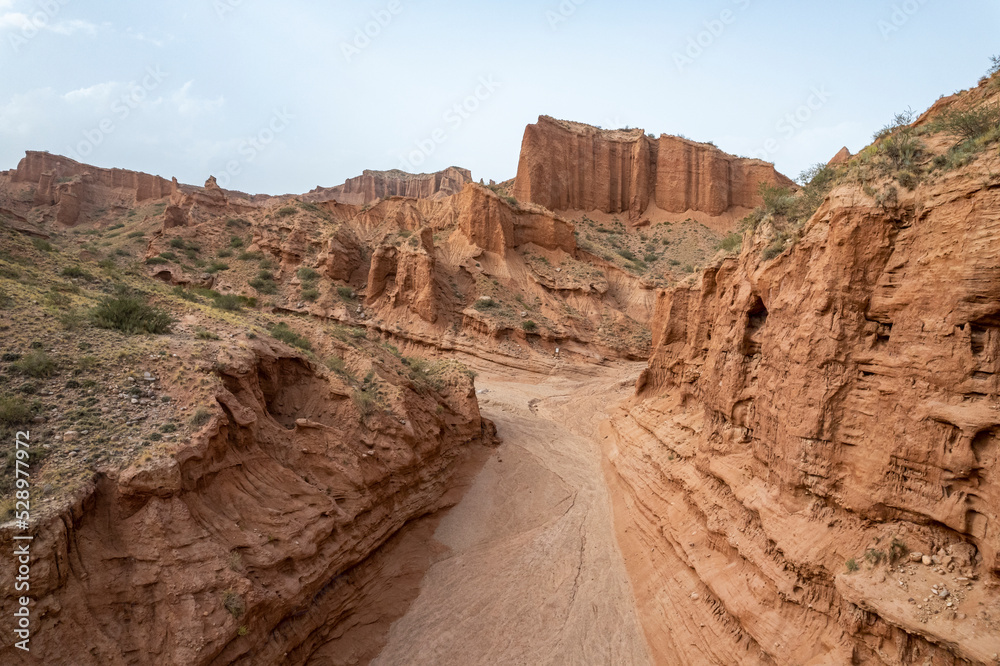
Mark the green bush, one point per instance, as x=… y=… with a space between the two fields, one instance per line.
x=229 y=302
x=178 y=243
x=732 y=243
x=307 y=274
x=852 y=565
x=130 y=314
x=264 y=286
x=287 y=210
x=36 y=364
x=75 y=272
x=281 y=331
x=250 y=256
x=42 y=245
x=236 y=242
x=310 y=294
x=200 y=417
x=14 y=410
x=529 y=326
x=204 y=334
x=217 y=266
x=969 y=124
x=222 y=254
x=345 y=293
x=484 y=304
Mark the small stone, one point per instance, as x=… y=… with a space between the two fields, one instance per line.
x=694 y=596
x=38 y=419
x=926 y=560
x=70 y=435
x=135 y=401
x=916 y=557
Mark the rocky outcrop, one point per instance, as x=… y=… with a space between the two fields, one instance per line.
x=405 y=276
x=495 y=225
x=374 y=185
x=842 y=157
x=805 y=422
x=141 y=186
x=572 y=166
x=248 y=543
x=343 y=255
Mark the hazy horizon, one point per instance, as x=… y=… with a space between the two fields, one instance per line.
x=314 y=96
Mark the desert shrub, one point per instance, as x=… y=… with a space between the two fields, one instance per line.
x=169 y=256
x=14 y=410
x=233 y=603
x=42 y=245
x=130 y=314
x=901 y=150
x=37 y=364
x=651 y=257
x=627 y=254
x=366 y=403
x=776 y=200
x=897 y=551
x=529 y=326
x=75 y=272
x=236 y=222
x=283 y=332
x=71 y=320
x=731 y=243
x=310 y=294
x=852 y=565
x=178 y=243
x=236 y=242
x=874 y=557
x=264 y=286
x=204 y=334
x=345 y=293
x=484 y=304
x=229 y=302
x=307 y=274
x=337 y=365
x=969 y=124
x=200 y=417
x=773 y=250
x=286 y=211
x=222 y=254
x=217 y=266
x=156 y=261
x=250 y=256
x=899 y=121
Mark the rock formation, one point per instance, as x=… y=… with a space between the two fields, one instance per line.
x=806 y=422
x=244 y=544
x=572 y=166
x=374 y=185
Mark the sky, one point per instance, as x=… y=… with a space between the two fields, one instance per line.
x=283 y=97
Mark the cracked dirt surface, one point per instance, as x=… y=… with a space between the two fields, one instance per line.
x=531 y=573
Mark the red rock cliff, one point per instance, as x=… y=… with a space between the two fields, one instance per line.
x=374 y=185
x=805 y=421
x=572 y=166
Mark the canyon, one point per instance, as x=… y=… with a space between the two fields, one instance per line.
x=417 y=419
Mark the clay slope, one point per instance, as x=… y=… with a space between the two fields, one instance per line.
x=572 y=166
x=374 y=185
x=809 y=426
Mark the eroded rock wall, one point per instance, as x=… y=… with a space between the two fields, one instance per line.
x=572 y=166
x=835 y=407
x=236 y=548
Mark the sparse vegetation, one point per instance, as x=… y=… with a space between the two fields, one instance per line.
x=200 y=417
x=852 y=565
x=233 y=603
x=287 y=211
x=283 y=332
x=130 y=314
x=529 y=326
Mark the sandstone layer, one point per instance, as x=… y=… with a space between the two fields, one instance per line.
x=243 y=545
x=572 y=166
x=806 y=422
x=371 y=186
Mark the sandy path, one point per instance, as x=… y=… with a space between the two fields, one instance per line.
x=532 y=574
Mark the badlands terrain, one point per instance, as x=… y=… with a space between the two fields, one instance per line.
x=645 y=403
